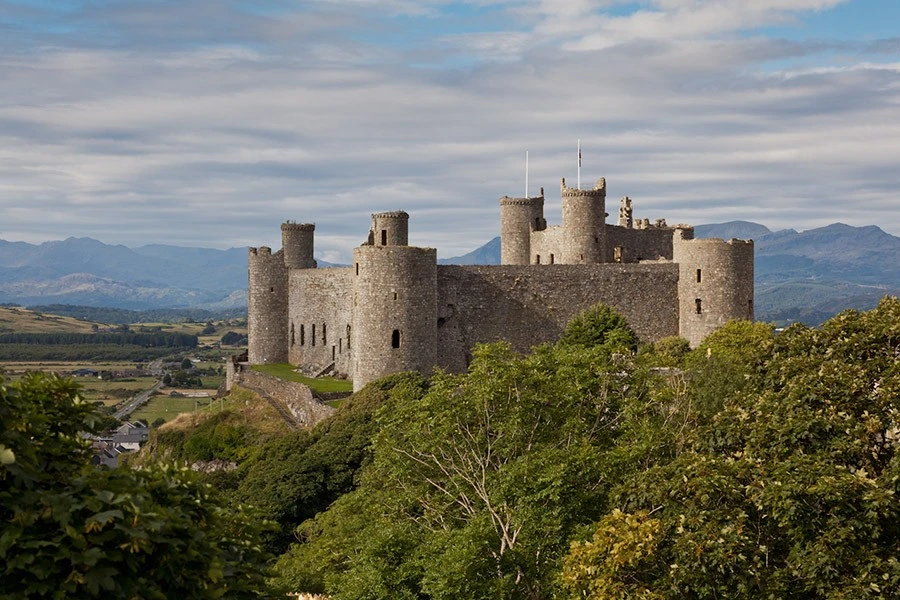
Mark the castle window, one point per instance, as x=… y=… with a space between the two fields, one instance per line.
x=348 y=337
x=340 y=345
x=384 y=237
x=395 y=295
x=537 y=259
x=699 y=304
x=313 y=335
x=332 y=352
x=551 y=259
x=395 y=339
x=357 y=268
x=272 y=290
x=292 y=335
x=324 y=338
x=698 y=276
x=617 y=254
x=750 y=307
x=302 y=335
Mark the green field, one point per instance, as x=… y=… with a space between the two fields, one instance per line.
x=319 y=384
x=168 y=407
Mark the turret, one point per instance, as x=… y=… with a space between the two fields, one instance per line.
x=266 y=306
x=390 y=229
x=394 y=306
x=584 y=223
x=518 y=218
x=715 y=283
x=297 y=242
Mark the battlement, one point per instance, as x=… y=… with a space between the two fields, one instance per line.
x=261 y=251
x=532 y=201
x=294 y=226
x=598 y=191
x=391 y=214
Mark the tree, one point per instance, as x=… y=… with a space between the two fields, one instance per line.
x=474 y=488
x=69 y=530
x=600 y=326
x=789 y=491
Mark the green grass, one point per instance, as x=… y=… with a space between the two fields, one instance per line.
x=320 y=384
x=168 y=408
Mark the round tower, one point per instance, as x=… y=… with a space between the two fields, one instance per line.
x=394 y=311
x=390 y=228
x=715 y=283
x=266 y=307
x=584 y=224
x=518 y=218
x=297 y=243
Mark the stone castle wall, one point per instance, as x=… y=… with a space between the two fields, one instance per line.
x=634 y=245
x=320 y=318
x=715 y=284
x=267 y=302
x=296 y=398
x=528 y=306
x=394 y=314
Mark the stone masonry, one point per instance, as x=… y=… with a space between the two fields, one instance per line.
x=396 y=309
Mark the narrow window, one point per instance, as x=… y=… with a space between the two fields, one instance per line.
x=395 y=339
x=324 y=337
x=750 y=307
x=302 y=335
x=384 y=237
x=312 y=335
x=581 y=257
x=340 y=345
x=357 y=268
x=272 y=290
x=698 y=276
x=348 y=337
x=537 y=259
x=292 y=335
x=617 y=254
x=551 y=259
x=699 y=304
x=596 y=239
x=395 y=295
x=332 y=352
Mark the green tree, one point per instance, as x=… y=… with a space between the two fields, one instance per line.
x=789 y=491
x=72 y=531
x=474 y=488
x=600 y=326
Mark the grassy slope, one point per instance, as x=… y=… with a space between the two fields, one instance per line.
x=22 y=320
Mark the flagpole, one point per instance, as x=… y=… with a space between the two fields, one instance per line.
x=526 y=173
x=579 y=163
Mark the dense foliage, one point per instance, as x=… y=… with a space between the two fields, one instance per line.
x=755 y=466
x=72 y=531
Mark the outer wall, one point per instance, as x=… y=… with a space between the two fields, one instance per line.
x=319 y=312
x=266 y=307
x=724 y=289
x=394 y=289
x=531 y=305
x=638 y=244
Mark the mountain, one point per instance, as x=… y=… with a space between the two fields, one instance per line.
x=742 y=230
x=489 y=254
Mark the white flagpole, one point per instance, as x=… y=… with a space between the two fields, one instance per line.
x=579 y=163
x=526 y=173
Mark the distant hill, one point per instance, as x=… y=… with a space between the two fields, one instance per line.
x=807 y=276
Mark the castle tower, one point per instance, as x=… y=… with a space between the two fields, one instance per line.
x=715 y=283
x=584 y=224
x=297 y=243
x=518 y=218
x=390 y=229
x=267 y=302
x=394 y=304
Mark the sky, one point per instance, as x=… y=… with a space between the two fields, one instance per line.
x=210 y=122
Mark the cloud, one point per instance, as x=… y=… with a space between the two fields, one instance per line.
x=211 y=123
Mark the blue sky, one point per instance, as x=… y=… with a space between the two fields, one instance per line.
x=209 y=122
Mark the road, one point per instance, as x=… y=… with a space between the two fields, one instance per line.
x=137 y=401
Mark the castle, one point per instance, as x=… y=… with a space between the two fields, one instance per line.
x=395 y=309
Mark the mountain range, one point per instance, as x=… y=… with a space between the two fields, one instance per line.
x=806 y=276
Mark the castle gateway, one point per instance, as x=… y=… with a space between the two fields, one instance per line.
x=395 y=309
